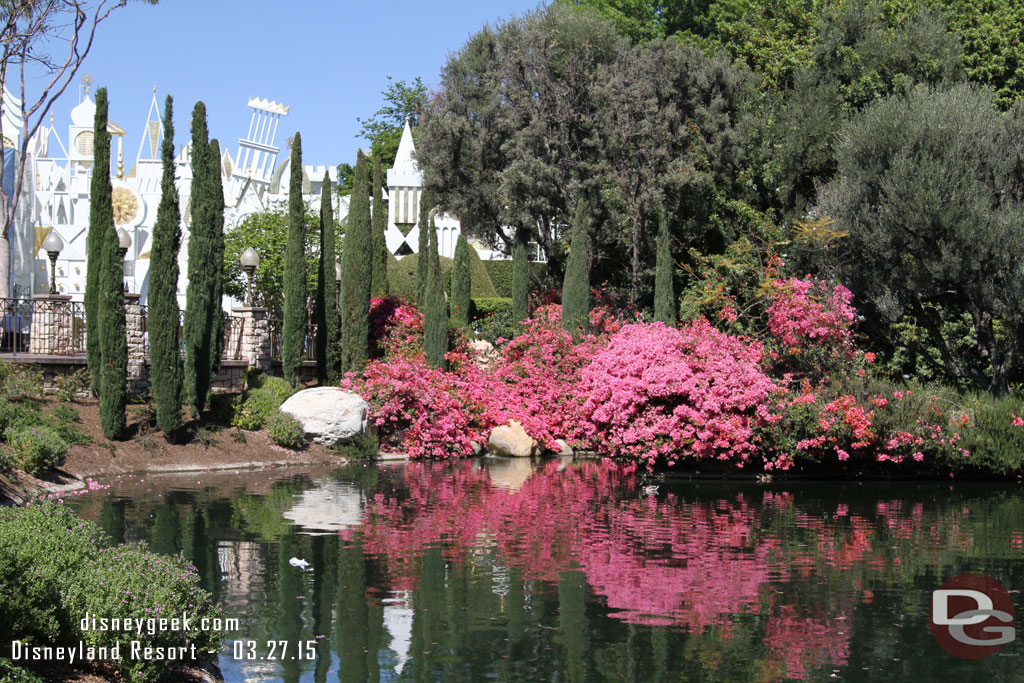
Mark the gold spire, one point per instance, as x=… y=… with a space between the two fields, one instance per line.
x=87 y=81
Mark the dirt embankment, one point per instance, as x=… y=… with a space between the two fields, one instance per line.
x=202 y=445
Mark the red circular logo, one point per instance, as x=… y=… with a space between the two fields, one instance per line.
x=972 y=616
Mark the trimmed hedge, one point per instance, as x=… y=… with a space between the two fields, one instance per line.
x=402 y=276
x=484 y=306
x=500 y=273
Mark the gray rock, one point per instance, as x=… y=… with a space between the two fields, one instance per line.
x=512 y=440
x=328 y=415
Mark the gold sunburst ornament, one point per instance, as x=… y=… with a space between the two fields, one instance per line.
x=126 y=205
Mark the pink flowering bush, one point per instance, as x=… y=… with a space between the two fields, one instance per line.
x=415 y=407
x=656 y=394
x=396 y=328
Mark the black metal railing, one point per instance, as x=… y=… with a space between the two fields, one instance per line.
x=233 y=326
x=42 y=326
x=308 y=345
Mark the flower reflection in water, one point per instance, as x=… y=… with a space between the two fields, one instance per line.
x=652 y=561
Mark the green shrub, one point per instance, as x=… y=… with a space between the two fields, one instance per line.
x=36 y=448
x=70 y=385
x=359 y=447
x=65 y=414
x=994 y=443
x=40 y=546
x=253 y=408
x=131 y=581
x=12 y=673
x=285 y=430
x=60 y=567
x=13 y=414
x=278 y=387
x=21 y=382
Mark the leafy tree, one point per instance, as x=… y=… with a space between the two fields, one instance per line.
x=293 y=334
x=402 y=101
x=930 y=190
x=435 y=310
x=671 y=124
x=576 y=288
x=267 y=233
x=461 y=285
x=28 y=33
x=355 y=275
x=164 y=348
x=426 y=227
x=201 y=310
x=859 y=57
x=101 y=213
x=665 y=307
x=328 y=338
x=520 y=281
x=113 y=337
x=379 y=286
x=508 y=138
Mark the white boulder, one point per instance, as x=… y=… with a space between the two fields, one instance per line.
x=328 y=415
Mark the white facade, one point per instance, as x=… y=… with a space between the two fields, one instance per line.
x=58 y=178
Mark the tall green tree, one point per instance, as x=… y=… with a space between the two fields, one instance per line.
x=203 y=270
x=379 y=280
x=461 y=285
x=101 y=213
x=113 y=338
x=576 y=286
x=164 y=349
x=293 y=334
x=520 y=280
x=435 y=310
x=355 y=275
x=666 y=309
x=929 y=190
x=328 y=333
x=217 y=321
x=426 y=227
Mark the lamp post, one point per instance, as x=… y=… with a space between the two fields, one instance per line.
x=250 y=261
x=124 y=242
x=53 y=245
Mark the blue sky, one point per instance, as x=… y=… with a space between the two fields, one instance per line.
x=329 y=61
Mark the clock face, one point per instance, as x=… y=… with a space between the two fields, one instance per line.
x=126 y=205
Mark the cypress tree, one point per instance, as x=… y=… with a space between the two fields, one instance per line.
x=461 y=285
x=665 y=307
x=520 y=280
x=435 y=310
x=576 y=285
x=423 y=247
x=164 y=356
x=328 y=340
x=101 y=213
x=199 y=303
x=379 y=286
x=293 y=333
x=113 y=338
x=217 y=317
x=355 y=275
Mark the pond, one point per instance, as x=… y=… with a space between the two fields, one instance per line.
x=513 y=570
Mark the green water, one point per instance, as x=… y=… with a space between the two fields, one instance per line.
x=553 y=571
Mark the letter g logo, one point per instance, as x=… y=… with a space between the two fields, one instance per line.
x=962 y=611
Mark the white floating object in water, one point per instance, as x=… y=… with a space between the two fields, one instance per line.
x=296 y=562
x=651 y=489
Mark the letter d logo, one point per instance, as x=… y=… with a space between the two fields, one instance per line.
x=972 y=616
